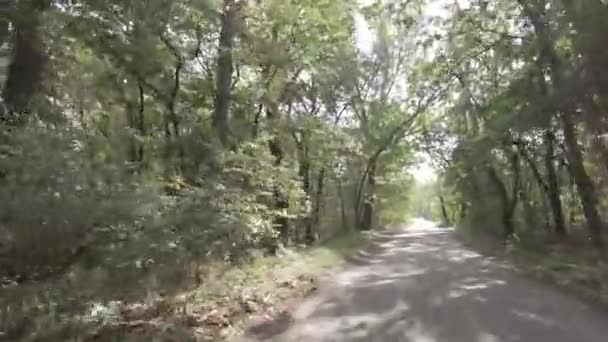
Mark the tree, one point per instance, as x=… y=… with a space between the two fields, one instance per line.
x=517 y=109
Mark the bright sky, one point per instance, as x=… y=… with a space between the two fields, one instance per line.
x=423 y=172
x=365 y=36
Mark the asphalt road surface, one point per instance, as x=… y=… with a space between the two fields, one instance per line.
x=420 y=284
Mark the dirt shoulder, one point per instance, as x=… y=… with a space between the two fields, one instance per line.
x=566 y=265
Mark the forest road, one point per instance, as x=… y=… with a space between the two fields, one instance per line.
x=421 y=284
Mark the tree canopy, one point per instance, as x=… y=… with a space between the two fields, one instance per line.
x=142 y=135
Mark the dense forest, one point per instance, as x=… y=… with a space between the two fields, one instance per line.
x=522 y=146
x=141 y=138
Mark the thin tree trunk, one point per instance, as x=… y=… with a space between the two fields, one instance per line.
x=361 y=197
x=342 y=205
x=81 y=112
x=506 y=217
x=553 y=191
x=463 y=210
x=357 y=203
x=130 y=115
x=307 y=188
x=370 y=200
x=509 y=204
x=550 y=188
x=358 y=196
x=141 y=120
x=172 y=104
x=528 y=208
x=311 y=235
x=280 y=198
x=444 y=212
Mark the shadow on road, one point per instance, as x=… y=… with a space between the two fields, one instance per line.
x=424 y=286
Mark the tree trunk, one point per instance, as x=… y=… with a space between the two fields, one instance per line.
x=343 y=216
x=175 y=146
x=27 y=65
x=370 y=199
x=141 y=120
x=301 y=141
x=553 y=192
x=462 y=212
x=173 y=97
x=444 y=212
x=550 y=188
x=361 y=198
x=311 y=235
x=357 y=207
x=506 y=218
x=280 y=198
x=589 y=19
x=549 y=57
x=508 y=204
x=583 y=181
x=528 y=207
x=599 y=147
x=224 y=72
x=307 y=188
x=133 y=144
x=281 y=201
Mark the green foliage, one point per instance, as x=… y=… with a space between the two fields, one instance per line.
x=395 y=204
x=56 y=198
x=234 y=209
x=518 y=142
x=143 y=139
x=123 y=172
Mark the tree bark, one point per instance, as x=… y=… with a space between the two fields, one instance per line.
x=130 y=115
x=342 y=205
x=509 y=203
x=552 y=188
x=280 y=198
x=589 y=18
x=444 y=212
x=507 y=213
x=370 y=200
x=221 y=115
x=312 y=235
x=26 y=68
x=528 y=208
x=141 y=119
x=172 y=104
x=304 y=173
x=584 y=184
x=462 y=212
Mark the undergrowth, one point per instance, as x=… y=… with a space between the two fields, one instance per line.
x=228 y=297
x=564 y=264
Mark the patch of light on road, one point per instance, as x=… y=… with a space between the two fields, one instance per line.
x=419 y=334
x=487 y=337
x=533 y=317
